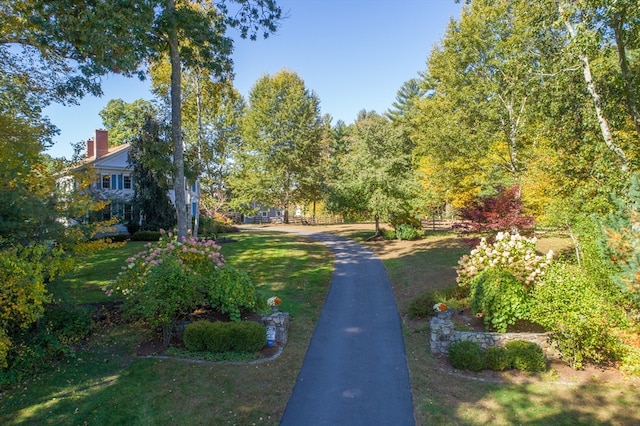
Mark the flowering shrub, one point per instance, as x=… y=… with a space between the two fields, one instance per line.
x=192 y=254
x=172 y=278
x=274 y=301
x=514 y=253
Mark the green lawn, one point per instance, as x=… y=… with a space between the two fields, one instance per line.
x=105 y=384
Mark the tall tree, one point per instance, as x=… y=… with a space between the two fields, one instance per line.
x=573 y=15
x=124 y=121
x=150 y=159
x=126 y=35
x=480 y=83
x=281 y=142
x=376 y=176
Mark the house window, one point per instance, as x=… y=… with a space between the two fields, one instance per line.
x=106 y=181
x=127 y=181
x=264 y=213
x=128 y=212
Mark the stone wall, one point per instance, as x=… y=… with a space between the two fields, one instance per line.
x=443 y=334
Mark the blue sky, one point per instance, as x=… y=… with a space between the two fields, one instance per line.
x=354 y=54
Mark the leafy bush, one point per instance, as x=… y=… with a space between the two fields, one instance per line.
x=407 y=232
x=497 y=359
x=67 y=323
x=195 y=336
x=33 y=349
x=171 y=278
x=581 y=311
x=231 y=290
x=500 y=296
x=167 y=293
x=218 y=224
x=526 y=356
x=421 y=306
x=146 y=236
x=466 y=355
x=499 y=212
x=247 y=336
x=23 y=272
x=514 y=253
x=219 y=337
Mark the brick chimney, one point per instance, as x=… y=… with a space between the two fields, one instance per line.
x=102 y=142
x=99 y=145
x=90 y=151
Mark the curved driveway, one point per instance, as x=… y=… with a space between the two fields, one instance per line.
x=355 y=369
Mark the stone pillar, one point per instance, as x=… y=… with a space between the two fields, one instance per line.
x=279 y=320
x=442 y=332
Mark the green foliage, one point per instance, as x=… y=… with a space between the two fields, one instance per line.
x=375 y=176
x=169 y=279
x=50 y=340
x=511 y=252
x=196 y=336
x=466 y=355
x=388 y=234
x=150 y=158
x=407 y=232
x=282 y=146
x=421 y=306
x=497 y=359
x=526 y=356
x=167 y=293
x=213 y=226
x=67 y=323
x=231 y=290
x=220 y=337
x=582 y=312
x=500 y=296
x=146 y=236
x=247 y=336
x=621 y=235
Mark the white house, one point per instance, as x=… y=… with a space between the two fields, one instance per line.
x=114 y=179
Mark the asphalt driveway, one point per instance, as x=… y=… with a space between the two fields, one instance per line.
x=355 y=369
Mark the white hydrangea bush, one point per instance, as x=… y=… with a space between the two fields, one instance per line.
x=512 y=252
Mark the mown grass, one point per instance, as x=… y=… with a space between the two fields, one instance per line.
x=105 y=384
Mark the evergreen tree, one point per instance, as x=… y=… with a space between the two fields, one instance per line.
x=150 y=158
x=621 y=232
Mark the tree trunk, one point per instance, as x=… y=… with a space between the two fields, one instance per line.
x=605 y=129
x=630 y=97
x=176 y=125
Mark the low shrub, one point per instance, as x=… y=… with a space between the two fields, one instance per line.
x=421 y=306
x=497 y=359
x=526 y=356
x=407 y=232
x=146 y=236
x=66 y=323
x=466 y=356
x=219 y=337
x=195 y=336
x=48 y=341
x=247 y=336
